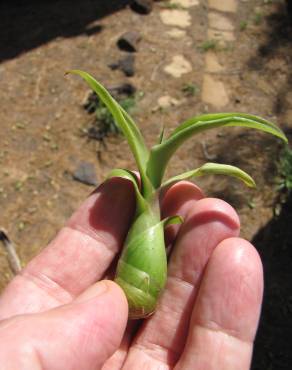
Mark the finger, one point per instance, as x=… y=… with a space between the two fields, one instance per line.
x=226 y=314
x=178 y=199
x=80 y=335
x=78 y=256
x=117 y=360
x=161 y=340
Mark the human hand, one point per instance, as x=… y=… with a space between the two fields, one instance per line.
x=55 y=316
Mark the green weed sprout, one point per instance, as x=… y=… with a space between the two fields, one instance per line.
x=142 y=267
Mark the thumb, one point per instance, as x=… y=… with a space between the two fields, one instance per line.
x=80 y=335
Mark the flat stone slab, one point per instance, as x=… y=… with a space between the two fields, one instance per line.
x=214 y=92
x=178 y=66
x=223 y=5
x=221 y=35
x=185 y=3
x=212 y=64
x=176 y=33
x=219 y=22
x=176 y=17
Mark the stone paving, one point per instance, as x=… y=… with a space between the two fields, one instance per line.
x=220 y=30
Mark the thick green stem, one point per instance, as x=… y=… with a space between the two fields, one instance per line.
x=142 y=268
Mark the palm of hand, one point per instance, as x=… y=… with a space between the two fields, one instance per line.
x=53 y=318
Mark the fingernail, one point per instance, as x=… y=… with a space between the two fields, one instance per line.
x=94 y=291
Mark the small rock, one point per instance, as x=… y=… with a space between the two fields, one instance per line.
x=176 y=17
x=85 y=173
x=129 y=41
x=142 y=6
x=122 y=90
x=125 y=64
x=178 y=66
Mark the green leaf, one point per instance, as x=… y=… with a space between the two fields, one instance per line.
x=124 y=122
x=161 y=135
x=141 y=204
x=214 y=169
x=233 y=116
x=160 y=154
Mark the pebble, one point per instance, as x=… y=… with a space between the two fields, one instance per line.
x=85 y=173
x=142 y=6
x=125 y=64
x=122 y=90
x=129 y=41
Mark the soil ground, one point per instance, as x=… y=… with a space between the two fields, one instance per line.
x=42 y=120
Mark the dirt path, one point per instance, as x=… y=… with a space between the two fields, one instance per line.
x=194 y=57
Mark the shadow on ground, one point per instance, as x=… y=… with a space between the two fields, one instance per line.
x=278 y=44
x=273 y=342
x=274 y=240
x=243 y=146
x=25 y=25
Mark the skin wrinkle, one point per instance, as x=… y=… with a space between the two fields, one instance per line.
x=94 y=247
x=22 y=353
x=223 y=338
x=101 y=237
x=158 y=349
x=214 y=327
x=100 y=331
x=100 y=241
x=48 y=285
x=162 y=365
x=39 y=359
x=195 y=270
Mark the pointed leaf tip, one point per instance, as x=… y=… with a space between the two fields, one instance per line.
x=214 y=169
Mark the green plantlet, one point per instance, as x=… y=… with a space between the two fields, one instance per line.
x=104 y=123
x=242 y=25
x=258 y=17
x=190 y=89
x=142 y=267
x=208 y=45
x=285 y=170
